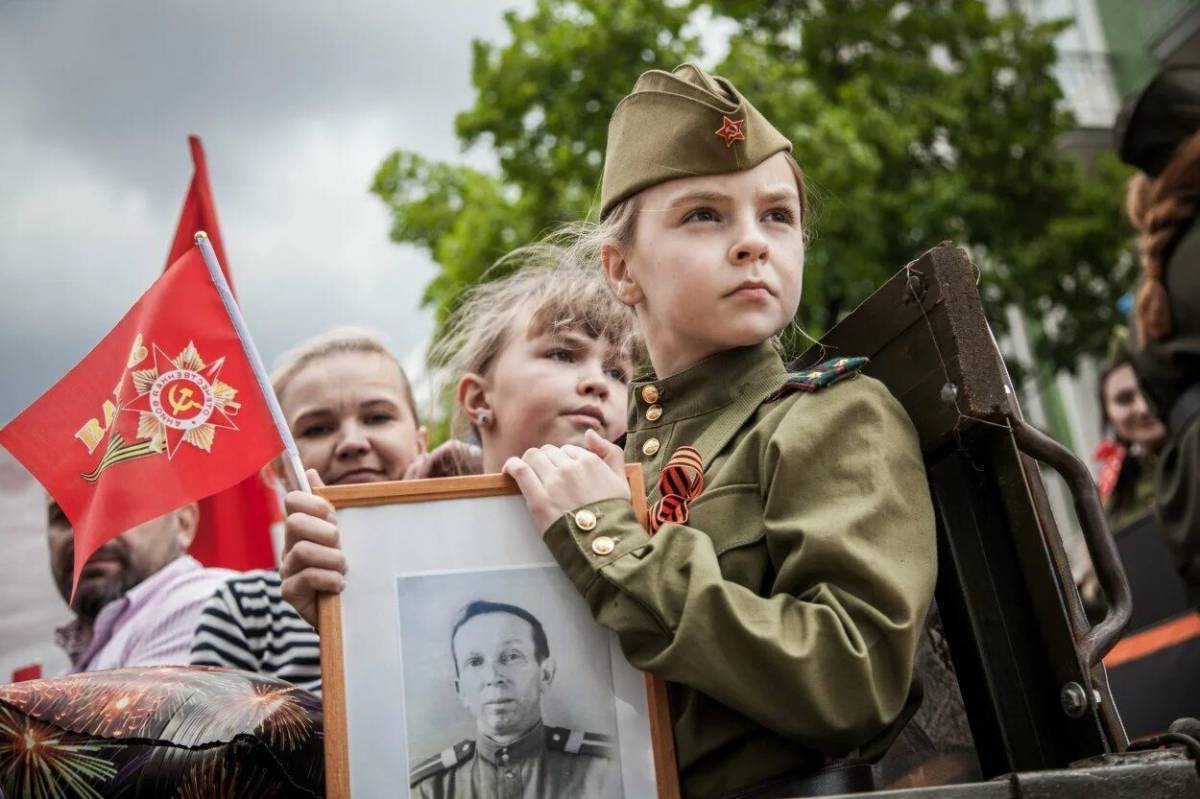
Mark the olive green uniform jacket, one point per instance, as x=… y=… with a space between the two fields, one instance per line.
x=786 y=612
x=1166 y=369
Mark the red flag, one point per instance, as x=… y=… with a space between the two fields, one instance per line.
x=165 y=410
x=199 y=213
x=235 y=525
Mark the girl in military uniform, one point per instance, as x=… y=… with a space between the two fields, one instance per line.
x=784 y=582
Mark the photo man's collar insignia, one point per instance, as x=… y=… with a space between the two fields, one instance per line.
x=578 y=742
x=443 y=761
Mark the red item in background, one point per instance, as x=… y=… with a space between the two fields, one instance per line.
x=235 y=525
x=31 y=672
x=165 y=410
x=1110 y=454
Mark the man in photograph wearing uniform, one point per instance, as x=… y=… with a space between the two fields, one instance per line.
x=502 y=667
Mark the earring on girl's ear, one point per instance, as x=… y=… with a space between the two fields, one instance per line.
x=485 y=419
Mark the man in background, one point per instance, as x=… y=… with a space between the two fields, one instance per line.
x=139 y=596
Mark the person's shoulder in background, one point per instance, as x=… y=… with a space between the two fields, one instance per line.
x=162 y=611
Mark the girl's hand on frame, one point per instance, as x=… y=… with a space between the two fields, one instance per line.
x=312 y=558
x=557 y=480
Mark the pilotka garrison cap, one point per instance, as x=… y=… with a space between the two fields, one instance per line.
x=681 y=124
x=1151 y=126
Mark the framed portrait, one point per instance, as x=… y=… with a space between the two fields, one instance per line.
x=460 y=661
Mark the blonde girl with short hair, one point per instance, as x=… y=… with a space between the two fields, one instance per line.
x=542 y=355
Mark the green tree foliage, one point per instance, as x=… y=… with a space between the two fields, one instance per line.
x=915 y=122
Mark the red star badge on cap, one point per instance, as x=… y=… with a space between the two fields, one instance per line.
x=731 y=130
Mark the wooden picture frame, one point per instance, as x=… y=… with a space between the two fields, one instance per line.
x=332 y=625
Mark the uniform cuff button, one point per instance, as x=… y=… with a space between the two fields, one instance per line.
x=585 y=520
x=603 y=545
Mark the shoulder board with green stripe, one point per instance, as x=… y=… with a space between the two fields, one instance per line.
x=443 y=761
x=820 y=376
x=578 y=742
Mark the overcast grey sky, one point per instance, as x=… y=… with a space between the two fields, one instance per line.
x=297 y=104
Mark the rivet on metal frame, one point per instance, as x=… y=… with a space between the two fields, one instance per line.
x=1074 y=700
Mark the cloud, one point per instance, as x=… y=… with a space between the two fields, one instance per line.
x=297 y=105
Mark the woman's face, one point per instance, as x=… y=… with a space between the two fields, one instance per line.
x=716 y=262
x=546 y=388
x=1128 y=413
x=351 y=418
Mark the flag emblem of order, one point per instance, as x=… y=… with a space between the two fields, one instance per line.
x=183 y=402
x=177 y=400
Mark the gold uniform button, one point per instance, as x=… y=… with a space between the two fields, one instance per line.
x=650 y=394
x=650 y=447
x=603 y=545
x=585 y=520
x=654 y=412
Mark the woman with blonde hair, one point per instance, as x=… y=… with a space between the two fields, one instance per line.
x=350 y=407
x=1159 y=133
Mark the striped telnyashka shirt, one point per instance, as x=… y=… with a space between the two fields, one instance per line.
x=248 y=625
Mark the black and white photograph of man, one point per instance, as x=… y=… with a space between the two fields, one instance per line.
x=531 y=712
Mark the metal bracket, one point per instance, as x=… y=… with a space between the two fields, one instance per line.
x=1097 y=641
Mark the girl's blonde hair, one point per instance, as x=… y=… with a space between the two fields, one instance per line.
x=562 y=298
x=338 y=341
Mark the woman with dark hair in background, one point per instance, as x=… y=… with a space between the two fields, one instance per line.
x=1129 y=452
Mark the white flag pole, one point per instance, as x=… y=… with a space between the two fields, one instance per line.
x=260 y=371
